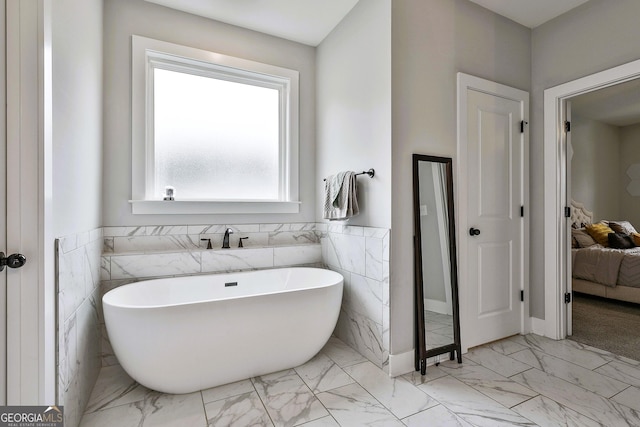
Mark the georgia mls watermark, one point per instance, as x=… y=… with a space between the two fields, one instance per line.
x=31 y=416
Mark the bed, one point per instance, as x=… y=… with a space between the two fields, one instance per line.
x=601 y=270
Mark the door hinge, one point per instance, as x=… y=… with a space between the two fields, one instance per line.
x=521 y=295
x=567 y=126
x=522 y=211
x=523 y=123
x=567 y=298
x=567 y=212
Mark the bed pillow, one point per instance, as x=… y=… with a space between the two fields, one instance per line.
x=624 y=227
x=620 y=241
x=583 y=238
x=574 y=243
x=599 y=232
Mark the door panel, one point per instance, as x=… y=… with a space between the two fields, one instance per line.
x=494 y=197
x=494 y=299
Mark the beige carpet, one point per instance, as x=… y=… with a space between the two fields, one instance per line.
x=607 y=324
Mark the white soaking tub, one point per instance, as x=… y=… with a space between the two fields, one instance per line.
x=179 y=335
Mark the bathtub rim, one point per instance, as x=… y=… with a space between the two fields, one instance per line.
x=107 y=298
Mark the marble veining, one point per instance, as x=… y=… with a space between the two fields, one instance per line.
x=590 y=380
x=471 y=405
x=287 y=399
x=361 y=255
x=339 y=387
x=79 y=272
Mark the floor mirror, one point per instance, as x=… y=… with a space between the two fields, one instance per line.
x=436 y=281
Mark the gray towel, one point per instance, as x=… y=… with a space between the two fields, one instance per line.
x=340 y=199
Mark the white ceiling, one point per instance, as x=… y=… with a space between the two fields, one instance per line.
x=530 y=13
x=303 y=21
x=310 y=21
x=617 y=105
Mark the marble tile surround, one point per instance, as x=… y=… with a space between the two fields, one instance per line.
x=361 y=255
x=113 y=256
x=78 y=320
x=339 y=387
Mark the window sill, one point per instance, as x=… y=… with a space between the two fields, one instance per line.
x=161 y=207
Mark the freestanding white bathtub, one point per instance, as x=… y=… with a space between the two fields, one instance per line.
x=179 y=335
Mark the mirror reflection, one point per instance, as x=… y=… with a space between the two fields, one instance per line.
x=436 y=280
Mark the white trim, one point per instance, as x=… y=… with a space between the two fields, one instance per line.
x=148 y=53
x=403 y=363
x=211 y=207
x=537 y=326
x=466 y=82
x=555 y=188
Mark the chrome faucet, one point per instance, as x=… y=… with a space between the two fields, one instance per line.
x=225 y=240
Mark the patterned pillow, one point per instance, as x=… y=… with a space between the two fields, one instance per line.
x=600 y=233
x=623 y=227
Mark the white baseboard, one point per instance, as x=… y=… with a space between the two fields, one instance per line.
x=400 y=364
x=537 y=326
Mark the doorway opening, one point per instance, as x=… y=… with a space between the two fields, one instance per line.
x=557 y=140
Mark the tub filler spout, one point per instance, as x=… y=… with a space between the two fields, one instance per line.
x=225 y=240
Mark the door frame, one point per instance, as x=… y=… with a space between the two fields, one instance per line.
x=466 y=82
x=557 y=269
x=31 y=299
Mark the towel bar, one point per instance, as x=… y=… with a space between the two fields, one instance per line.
x=371 y=172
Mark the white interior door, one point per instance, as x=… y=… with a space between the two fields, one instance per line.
x=492 y=225
x=3 y=204
x=30 y=290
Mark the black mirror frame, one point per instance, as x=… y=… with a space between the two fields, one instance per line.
x=421 y=353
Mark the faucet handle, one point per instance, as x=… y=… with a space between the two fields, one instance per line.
x=240 y=241
x=208 y=243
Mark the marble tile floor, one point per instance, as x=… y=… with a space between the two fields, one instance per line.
x=520 y=381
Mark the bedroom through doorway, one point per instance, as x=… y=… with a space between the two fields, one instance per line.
x=603 y=185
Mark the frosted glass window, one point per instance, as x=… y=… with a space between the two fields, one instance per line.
x=214 y=138
x=222 y=131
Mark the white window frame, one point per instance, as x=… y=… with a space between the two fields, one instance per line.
x=148 y=54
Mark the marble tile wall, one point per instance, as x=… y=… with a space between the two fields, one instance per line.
x=78 y=320
x=113 y=256
x=121 y=240
x=361 y=255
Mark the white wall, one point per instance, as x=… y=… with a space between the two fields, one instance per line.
x=594 y=37
x=595 y=167
x=629 y=155
x=77 y=195
x=77 y=115
x=432 y=40
x=354 y=108
x=126 y=17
